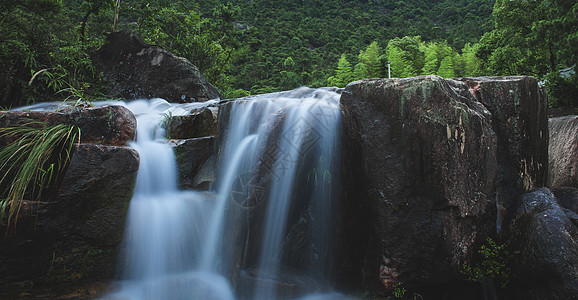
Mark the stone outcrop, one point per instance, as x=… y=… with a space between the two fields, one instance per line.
x=198 y=123
x=545 y=241
x=195 y=162
x=563 y=152
x=138 y=70
x=107 y=125
x=426 y=163
x=73 y=237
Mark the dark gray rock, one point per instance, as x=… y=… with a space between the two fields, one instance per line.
x=138 y=70
x=195 y=162
x=518 y=108
x=563 y=152
x=546 y=262
x=75 y=237
x=198 y=123
x=419 y=175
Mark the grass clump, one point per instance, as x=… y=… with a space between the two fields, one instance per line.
x=32 y=163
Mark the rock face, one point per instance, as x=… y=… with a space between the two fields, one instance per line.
x=546 y=265
x=137 y=70
x=519 y=117
x=425 y=161
x=73 y=237
x=563 y=161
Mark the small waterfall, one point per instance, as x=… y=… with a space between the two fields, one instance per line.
x=165 y=227
x=277 y=172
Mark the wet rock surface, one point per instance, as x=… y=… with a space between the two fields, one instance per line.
x=518 y=108
x=199 y=123
x=138 y=70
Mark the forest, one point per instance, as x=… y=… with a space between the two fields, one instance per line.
x=247 y=47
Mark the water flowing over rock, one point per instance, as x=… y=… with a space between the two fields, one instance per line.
x=546 y=264
x=427 y=161
x=138 y=70
x=563 y=152
x=389 y=185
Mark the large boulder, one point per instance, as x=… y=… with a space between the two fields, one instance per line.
x=138 y=70
x=563 y=152
x=426 y=163
x=74 y=238
x=108 y=125
x=420 y=168
x=546 y=245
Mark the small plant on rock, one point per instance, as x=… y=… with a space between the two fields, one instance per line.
x=32 y=162
x=493 y=264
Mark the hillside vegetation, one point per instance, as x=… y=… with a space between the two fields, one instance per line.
x=255 y=46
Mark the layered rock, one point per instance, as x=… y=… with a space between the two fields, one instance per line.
x=138 y=70
x=563 y=152
x=427 y=161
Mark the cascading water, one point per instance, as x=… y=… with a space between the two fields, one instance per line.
x=277 y=172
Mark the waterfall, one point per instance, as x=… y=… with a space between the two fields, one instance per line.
x=277 y=172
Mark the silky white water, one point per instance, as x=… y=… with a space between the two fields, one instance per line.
x=175 y=241
x=179 y=244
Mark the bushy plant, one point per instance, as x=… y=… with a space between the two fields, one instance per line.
x=493 y=264
x=32 y=162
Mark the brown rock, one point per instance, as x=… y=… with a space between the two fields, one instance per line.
x=109 y=125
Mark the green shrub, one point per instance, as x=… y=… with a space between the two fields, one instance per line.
x=32 y=163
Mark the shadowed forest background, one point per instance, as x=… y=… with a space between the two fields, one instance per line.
x=249 y=47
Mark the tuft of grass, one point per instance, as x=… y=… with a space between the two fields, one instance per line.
x=32 y=162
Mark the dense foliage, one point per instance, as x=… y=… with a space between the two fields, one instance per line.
x=255 y=46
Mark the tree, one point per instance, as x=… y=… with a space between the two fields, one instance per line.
x=343 y=74
x=401 y=65
x=371 y=58
x=446 y=69
x=531 y=38
x=360 y=71
x=431 y=64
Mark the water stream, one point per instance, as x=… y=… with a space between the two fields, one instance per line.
x=276 y=175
